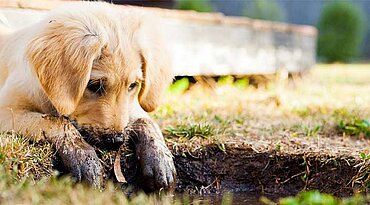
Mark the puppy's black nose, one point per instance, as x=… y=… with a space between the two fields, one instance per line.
x=112 y=140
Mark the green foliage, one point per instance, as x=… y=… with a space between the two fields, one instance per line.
x=225 y=80
x=341 y=32
x=364 y=156
x=311 y=197
x=190 y=131
x=195 y=5
x=179 y=86
x=317 y=198
x=309 y=132
x=242 y=83
x=265 y=10
x=355 y=127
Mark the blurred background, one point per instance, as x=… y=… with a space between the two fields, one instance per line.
x=243 y=37
x=343 y=24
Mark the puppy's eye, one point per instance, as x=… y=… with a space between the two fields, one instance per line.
x=132 y=86
x=96 y=86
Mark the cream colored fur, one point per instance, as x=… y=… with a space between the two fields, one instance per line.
x=45 y=69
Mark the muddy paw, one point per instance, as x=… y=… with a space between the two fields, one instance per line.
x=82 y=162
x=156 y=161
x=79 y=158
x=158 y=169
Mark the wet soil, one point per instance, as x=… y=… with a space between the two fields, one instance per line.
x=239 y=168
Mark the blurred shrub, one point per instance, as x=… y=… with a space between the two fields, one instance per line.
x=341 y=31
x=356 y=127
x=225 y=80
x=265 y=10
x=317 y=198
x=196 y=5
x=179 y=86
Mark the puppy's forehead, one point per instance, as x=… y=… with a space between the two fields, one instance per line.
x=125 y=74
x=124 y=64
x=120 y=58
x=123 y=56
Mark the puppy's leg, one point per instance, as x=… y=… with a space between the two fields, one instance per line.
x=78 y=157
x=155 y=158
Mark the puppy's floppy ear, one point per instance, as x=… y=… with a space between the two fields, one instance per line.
x=156 y=64
x=62 y=55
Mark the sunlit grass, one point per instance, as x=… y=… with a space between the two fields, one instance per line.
x=323 y=105
x=315 y=197
x=190 y=131
x=53 y=190
x=24 y=158
x=327 y=112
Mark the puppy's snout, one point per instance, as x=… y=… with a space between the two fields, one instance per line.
x=113 y=140
x=103 y=138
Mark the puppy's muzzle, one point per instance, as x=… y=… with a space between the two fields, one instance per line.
x=103 y=138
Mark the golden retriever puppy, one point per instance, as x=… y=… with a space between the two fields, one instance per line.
x=88 y=67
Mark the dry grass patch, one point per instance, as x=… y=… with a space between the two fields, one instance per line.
x=23 y=158
x=325 y=113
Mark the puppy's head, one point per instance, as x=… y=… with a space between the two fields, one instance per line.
x=101 y=66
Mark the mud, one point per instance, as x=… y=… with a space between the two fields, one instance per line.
x=240 y=169
x=144 y=156
x=102 y=138
x=209 y=169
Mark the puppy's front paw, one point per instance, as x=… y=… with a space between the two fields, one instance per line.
x=83 y=163
x=79 y=158
x=158 y=169
x=156 y=161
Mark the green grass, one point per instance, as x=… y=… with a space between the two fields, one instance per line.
x=24 y=158
x=53 y=190
x=317 y=198
x=326 y=104
x=358 y=127
x=190 y=131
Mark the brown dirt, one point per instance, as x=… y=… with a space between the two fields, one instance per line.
x=240 y=168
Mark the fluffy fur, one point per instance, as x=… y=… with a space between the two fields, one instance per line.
x=99 y=65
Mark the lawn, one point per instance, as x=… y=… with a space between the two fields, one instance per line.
x=298 y=133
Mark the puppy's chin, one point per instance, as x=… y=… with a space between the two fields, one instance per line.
x=102 y=138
